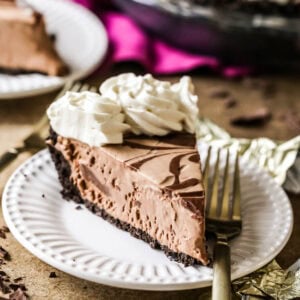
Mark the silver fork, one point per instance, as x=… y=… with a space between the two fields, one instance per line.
x=223 y=220
x=35 y=141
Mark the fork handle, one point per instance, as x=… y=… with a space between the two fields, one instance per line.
x=8 y=157
x=221 y=288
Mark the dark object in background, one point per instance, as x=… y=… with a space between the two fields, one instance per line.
x=255 y=118
x=234 y=36
x=219 y=93
x=230 y=102
x=223 y=94
x=286 y=8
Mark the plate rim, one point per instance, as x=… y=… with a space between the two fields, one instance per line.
x=129 y=284
x=77 y=75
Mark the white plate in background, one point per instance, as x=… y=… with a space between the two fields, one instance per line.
x=81 y=41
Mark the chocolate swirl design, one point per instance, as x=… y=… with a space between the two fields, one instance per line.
x=175 y=170
x=181 y=157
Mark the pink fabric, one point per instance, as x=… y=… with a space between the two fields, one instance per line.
x=129 y=42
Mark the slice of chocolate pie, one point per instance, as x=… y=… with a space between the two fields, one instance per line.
x=148 y=185
x=24 y=43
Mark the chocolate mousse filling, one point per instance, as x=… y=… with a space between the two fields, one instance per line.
x=167 y=204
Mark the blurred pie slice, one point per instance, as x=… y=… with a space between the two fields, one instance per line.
x=24 y=43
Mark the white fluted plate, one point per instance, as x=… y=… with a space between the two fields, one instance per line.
x=80 y=39
x=82 y=244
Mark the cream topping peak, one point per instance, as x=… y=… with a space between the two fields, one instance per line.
x=151 y=106
x=88 y=117
x=140 y=104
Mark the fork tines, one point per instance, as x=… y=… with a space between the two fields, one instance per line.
x=223 y=197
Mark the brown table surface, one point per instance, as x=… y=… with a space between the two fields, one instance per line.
x=17 y=117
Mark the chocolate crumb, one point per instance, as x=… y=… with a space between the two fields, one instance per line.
x=15 y=286
x=219 y=93
x=230 y=102
x=4 y=288
x=5 y=229
x=18 y=295
x=52 y=37
x=52 y=275
x=21 y=286
x=9 y=289
x=4 y=254
x=18 y=279
x=43 y=195
x=78 y=207
x=255 y=118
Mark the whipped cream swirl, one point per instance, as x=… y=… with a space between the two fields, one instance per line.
x=151 y=106
x=88 y=117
